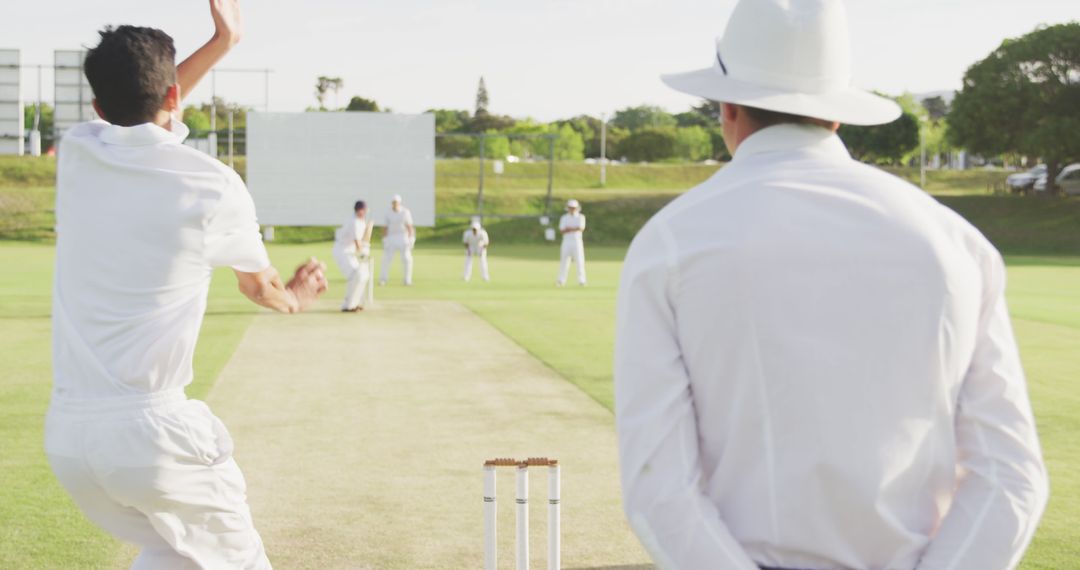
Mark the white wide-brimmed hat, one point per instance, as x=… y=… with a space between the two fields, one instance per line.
x=396 y=198
x=791 y=56
x=573 y=204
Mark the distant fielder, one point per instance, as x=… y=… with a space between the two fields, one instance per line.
x=476 y=243
x=352 y=248
x=399 y=237
x=572 y=226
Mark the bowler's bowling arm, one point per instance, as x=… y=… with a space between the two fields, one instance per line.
x=266 y=289
x=227 y=31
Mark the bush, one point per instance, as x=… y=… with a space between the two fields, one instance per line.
x=648 y=145
x=693 y=143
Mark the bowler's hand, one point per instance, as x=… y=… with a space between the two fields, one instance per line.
x=308 y=283
x=227 y=24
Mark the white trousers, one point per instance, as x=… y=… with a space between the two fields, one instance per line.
x=356 y=273
x=158 y=474
x=572 y=251
x=482 y=256
x=391 y=247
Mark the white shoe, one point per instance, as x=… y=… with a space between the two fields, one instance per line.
x=559 y=283
x=382 y=282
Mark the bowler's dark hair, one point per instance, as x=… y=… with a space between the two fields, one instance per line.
x=765 y=118
x=359 y=205
x=130 y=71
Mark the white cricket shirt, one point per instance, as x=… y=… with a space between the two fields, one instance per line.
x=348 y=234
x=572 y=221
x=141 y=222
x=815 y=368
x=397 y=222
x=476 y=241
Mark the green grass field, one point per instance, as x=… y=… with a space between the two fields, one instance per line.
x=39 y=528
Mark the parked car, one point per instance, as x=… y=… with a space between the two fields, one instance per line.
x=1068 y=180
x=1024 y=181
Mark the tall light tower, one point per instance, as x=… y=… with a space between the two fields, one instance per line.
x=603 y=149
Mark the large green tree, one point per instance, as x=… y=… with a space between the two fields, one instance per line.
x=324 y=85
x=643 y=117
x=589 y=129
x=197 y=120
x=649 y=145
x=693 y=143
x=883 y=144
x=1024 y=98
x=449 y=120
x=46 y=126
x=361 y=104
x=482 y=100
x=221 y=108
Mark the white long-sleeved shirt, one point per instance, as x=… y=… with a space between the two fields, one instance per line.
x=570 y=221
x=815 y=368
x=346 y=236
x=142 y=220
x=476 y=241
x=397 y=223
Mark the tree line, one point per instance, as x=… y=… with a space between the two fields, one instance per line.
x=1020 y=104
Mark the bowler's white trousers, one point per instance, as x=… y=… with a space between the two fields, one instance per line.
x=572 y=250
x=357 y=275
x=157 y=471
x=482 y=256
x=392 y=246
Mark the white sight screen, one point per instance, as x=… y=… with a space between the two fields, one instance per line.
x=11 y=109
x=307 y=169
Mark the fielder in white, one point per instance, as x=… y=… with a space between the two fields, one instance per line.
x=476 y=245
x=142 y=220
x=352 y=249
x=572 y=226
x=399 y=237
x=814 y=364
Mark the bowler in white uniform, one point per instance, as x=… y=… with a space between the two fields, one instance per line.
x=572 y=227
x=476 y=245
x=352 y=248
x=814 y=364
x=142 y=221
x=399 y=237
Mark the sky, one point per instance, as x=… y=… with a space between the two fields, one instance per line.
x=545 y=59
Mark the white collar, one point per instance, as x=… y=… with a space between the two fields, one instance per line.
x=788 y=137
x=144 y=134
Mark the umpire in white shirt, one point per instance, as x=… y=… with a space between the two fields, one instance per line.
x=815 y=367
x=572 y=228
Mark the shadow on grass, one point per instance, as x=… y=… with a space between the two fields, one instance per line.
x=627 y=567
x=1023 y=225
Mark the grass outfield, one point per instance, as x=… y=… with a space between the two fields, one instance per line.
x=39 y=528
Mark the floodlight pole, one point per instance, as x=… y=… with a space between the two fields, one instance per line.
x=37 y=109
x=231 y=165
x=212 y=137
x=603 y=149
x=551 y=173
x=266 y=90
x=480 y=192
x=922 y=154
